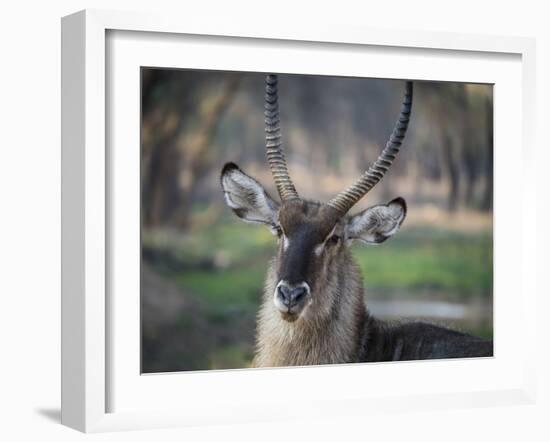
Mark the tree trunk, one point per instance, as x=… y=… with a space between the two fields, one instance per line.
x=197 y=162
x=452 y=169
x=487 y=201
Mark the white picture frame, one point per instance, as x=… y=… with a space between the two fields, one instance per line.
x=89 y=319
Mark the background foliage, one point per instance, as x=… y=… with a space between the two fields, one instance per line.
x=203 y=270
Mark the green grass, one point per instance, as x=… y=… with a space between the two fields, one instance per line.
x=239 y=285
x=231 y=356
x=416 y=260
x=423 y=259
x=418 y=263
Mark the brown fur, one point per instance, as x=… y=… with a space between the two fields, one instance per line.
x=330 y=330
x=331 y=323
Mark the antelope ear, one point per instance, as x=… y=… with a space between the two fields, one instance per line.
x=247 y=198
x=376 y=224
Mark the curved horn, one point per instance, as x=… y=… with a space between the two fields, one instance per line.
x=273 y=143
x=345 y=200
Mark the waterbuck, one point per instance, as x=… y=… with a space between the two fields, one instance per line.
x=313 y=309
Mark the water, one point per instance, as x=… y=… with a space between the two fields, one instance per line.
x=412 y=309
x=473 y=316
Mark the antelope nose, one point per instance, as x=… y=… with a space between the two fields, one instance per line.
x=291 y=296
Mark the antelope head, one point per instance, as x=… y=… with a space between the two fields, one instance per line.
x=313 y=237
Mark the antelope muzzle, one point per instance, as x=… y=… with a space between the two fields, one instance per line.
x=291 y=299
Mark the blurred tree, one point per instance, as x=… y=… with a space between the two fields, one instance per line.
x=179 y=127
x=487 y=201
x=193 y=121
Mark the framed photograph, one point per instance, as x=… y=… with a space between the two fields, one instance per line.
x=220 y=253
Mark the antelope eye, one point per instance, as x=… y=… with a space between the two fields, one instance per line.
x=333 y=239
x=278 y=231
